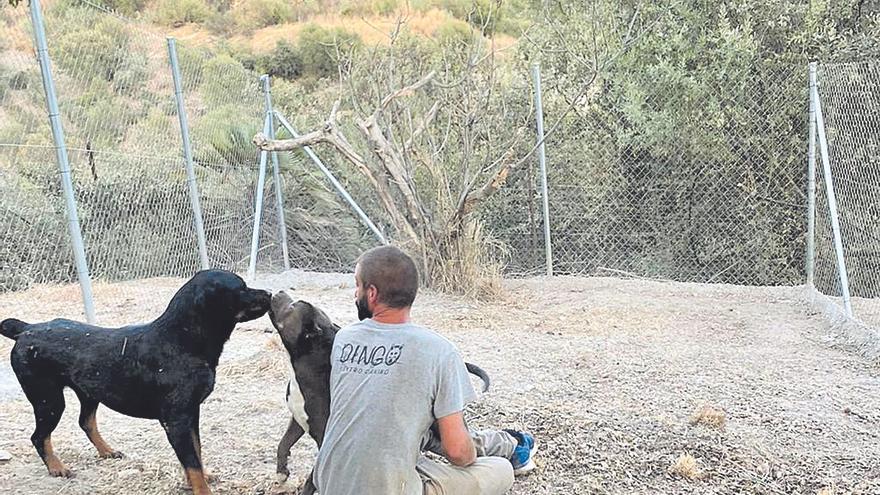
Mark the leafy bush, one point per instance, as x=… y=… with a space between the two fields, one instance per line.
x=20 y=80
x=256 y=14
x=284 y=61
x=221 y=24
x=323 y=50
x=102 y=115
x=368 y=7
x=101 y=52
x=223 y=136
x=224 y=80
x=127 y=7
x=454 y=34
x=180 y=12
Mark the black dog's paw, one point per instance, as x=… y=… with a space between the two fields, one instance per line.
x=112 y=454
x=281 y=476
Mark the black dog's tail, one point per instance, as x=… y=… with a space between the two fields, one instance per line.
x=480 y=373
x=12 y=328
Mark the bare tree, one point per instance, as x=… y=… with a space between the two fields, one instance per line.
x=438 y=148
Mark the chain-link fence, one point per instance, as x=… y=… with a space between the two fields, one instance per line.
x=118 y=110
x=699 y=179
x=849 y=95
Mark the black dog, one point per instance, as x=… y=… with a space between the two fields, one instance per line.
x=308 y=334
x=162 y=370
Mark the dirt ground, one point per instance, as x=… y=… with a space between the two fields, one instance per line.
x=606 y=373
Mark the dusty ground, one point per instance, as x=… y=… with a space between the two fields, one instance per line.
x=605 y=372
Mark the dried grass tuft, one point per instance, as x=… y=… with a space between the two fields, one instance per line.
x=710 y=416
x=687 y=467
x=470 y=266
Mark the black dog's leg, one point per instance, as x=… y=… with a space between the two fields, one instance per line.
x=293 y=433
x=183 y=435
x=47 y=399
x=197 y=440
x=89 y=424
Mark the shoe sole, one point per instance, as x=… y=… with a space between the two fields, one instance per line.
x=529 y=466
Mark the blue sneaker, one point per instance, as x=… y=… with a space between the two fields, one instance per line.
x=523 y=458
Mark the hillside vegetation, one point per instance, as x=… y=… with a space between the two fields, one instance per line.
x=678 y=136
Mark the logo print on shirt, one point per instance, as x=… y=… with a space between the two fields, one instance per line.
x=370 y=356
x=393 y=355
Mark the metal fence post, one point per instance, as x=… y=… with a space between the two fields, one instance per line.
x=832 y=201
x=79 y=252
x=811 y=184
x=258 y=208
x=276 y=175
x=187 y=154
x=542 y=160
x=339 y=187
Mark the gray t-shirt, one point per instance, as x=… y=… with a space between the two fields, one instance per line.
x=388 y=384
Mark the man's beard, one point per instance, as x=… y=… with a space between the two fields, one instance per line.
x=363 y=309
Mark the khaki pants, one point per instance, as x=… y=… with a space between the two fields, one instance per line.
x=491 y=474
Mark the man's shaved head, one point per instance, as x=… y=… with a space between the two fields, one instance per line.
x=392 y=272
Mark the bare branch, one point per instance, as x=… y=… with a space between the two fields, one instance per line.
x=405 y=91
x=426 y=121
x=262 y=142
x=330 y=134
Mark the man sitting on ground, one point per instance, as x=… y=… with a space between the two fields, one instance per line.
x=390 y=381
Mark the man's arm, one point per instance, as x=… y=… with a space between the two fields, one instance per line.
x=455 y=439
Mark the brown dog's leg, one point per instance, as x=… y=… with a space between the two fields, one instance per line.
x=89 y=424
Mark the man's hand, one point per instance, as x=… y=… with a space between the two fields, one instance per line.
x=456 y=440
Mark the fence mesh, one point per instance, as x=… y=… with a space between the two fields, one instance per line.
x=697 y=180
x=35 y=245
x=850 y=99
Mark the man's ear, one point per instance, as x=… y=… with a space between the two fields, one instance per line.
x=373 y=294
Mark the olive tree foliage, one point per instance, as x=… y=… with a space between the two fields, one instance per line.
x=690 y=145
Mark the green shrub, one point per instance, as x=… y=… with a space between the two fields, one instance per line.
x=179 y=12
x=243 y=54
x=221 y=24
x=192 y=64
x=224 y=80
x=284 y=61
x=256 y=14
x=20 y=80
x=323 y=50
x=222 y=137
x=454 y=34
x=105 y=116
x=127 y=7
x=101 y=53
x=357 y=8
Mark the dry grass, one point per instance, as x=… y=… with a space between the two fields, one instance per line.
x=604 y=372
x=372 y=30
x=687 y=467
x=709 y=416
x=469 y=267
